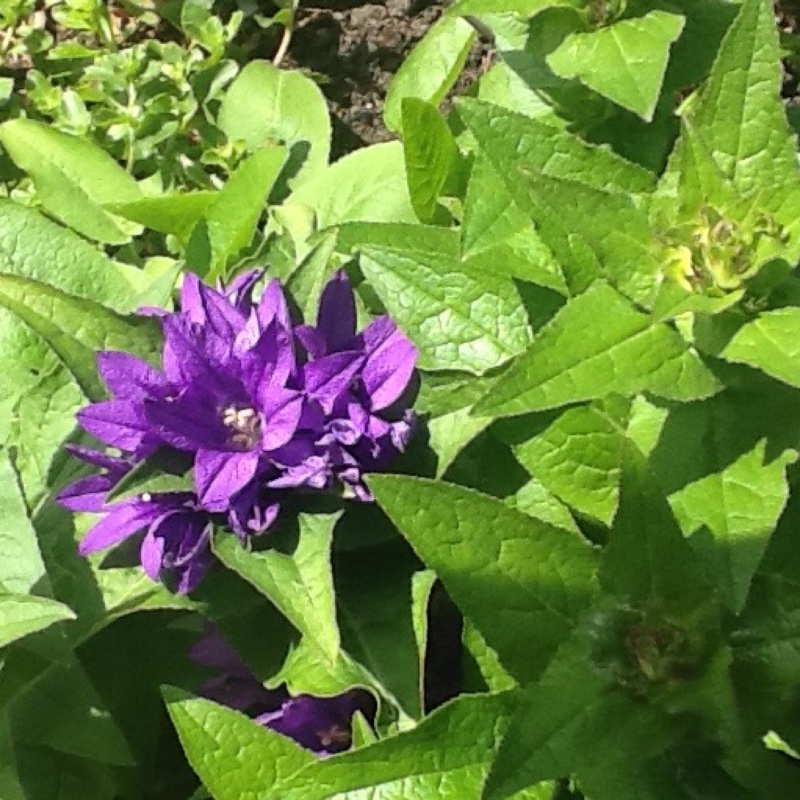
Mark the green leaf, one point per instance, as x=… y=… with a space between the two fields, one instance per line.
x=555 y=179
x=624 y=62
x=627 y=353
x=21 y=567
x=547 y=717
x=300 y=584
x=739 y=112
x=307 y=671
x=66 y=713
x=74 y=178
x=398 y=236
x=368 y=185
x=75 y=328
x=615 y=229
x=728 y=497
x=693 y=176
x=43 y=773
x=490 y=215
x=522 y=582
x=374 y=596
x=450 y=433
x=411 y=764
x=34 y=247
x=573 y=721
x=265 y=105
x=771 y=343
x=228 y=223
x=429 y=150
x=577 y=458
x=444 y=392
x=236 y=758
x=431 y=69
x=22 y=614
x=739 y=507
x=306 y=283
x=458 y=317
x=491 y=670
x=174 y=214
x=516 y=144
x=534 y=500
x=422 y=586
x=478 y=7
x=647 y=559
x=526 y=257
x=504 y=87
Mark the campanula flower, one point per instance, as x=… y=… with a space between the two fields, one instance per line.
x=260 y=406
x=320 y=724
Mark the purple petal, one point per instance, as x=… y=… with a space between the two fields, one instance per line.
x=128 y=377
x=87 y=494
x=98 y=458
x=272 y=306
x=345 y=431
x=336 y=320
x=219 y=476
x=225 y=319
x=240 y=290
x=249 y=335
x=191 y=300
x=122 y=521
x=402 y=431
x=388 y=369
x=185 y=356
x=190 y=422
x=152 y=555
x=320 y=724
x=119 y=423
x=314 y=472
x=236 y=686
x=270 y=360
x=191 y=575
x=282 y=410
x=379 y=331
x=251 y=518
x=213 y=650
x=330 y=376
x=311 y=340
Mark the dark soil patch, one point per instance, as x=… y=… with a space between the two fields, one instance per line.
x=355 y=48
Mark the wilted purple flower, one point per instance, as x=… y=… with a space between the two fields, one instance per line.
x=320 y=724
x=176 y=540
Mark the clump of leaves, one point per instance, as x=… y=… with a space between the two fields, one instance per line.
x=590 y=544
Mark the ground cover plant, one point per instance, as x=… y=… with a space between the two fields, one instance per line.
x=458 y=464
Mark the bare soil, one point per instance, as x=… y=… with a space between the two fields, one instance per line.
x=354 y=48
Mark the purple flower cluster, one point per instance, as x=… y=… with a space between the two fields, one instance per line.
x=262 y=406
x=320 y=724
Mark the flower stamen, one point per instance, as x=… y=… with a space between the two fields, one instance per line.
x=335 y=735
x=245 y=425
